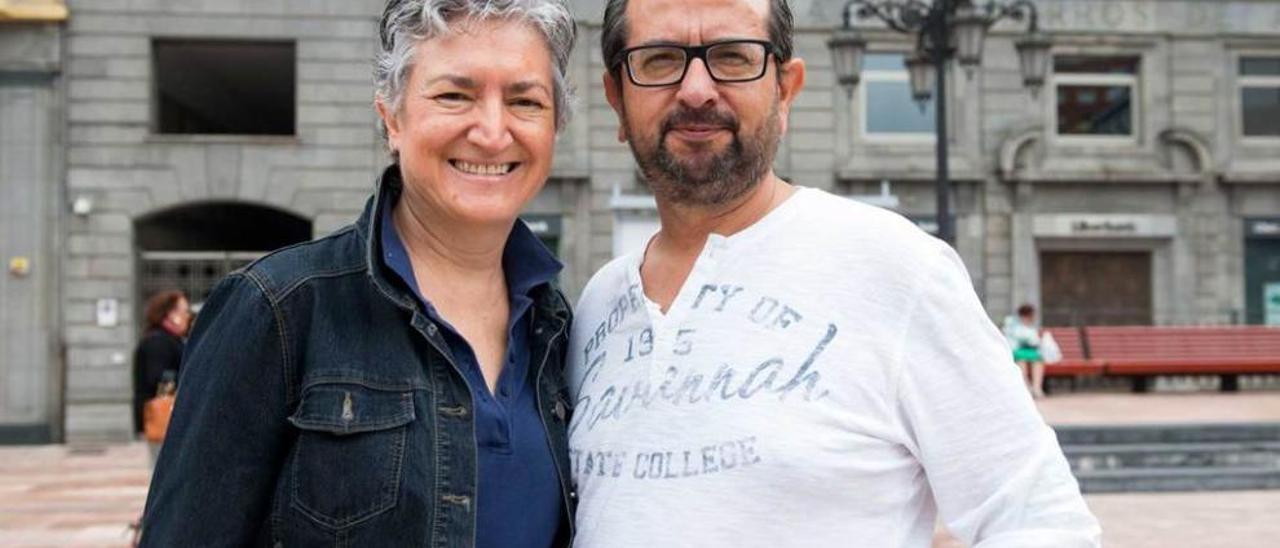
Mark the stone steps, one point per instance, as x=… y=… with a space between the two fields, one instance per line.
x=1179 y=479
x=1167 y=433
x=1188 y=457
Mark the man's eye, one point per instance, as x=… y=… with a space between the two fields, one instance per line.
x=731 y=58
x=661 y=61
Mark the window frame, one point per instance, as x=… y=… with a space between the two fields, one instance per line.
x=863 y=91
x=1243 y=81
x=154 y=125
x=1132 y=81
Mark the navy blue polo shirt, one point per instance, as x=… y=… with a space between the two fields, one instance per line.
x=518 y=502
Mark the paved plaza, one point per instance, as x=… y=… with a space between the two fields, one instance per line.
x=60 y=496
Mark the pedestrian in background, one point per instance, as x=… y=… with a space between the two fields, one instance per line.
x=1025 y=340
x=159 y=351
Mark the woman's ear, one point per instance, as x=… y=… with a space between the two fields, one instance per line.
x=389 y=121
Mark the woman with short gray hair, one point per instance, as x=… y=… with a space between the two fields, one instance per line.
x=399 y=382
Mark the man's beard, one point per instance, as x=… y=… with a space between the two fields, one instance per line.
x=706 y=178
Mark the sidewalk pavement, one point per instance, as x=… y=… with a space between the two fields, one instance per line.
x=57 y=496
x=65 y=497
x=1161 y=408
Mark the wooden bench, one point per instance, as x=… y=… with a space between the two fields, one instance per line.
x=1146 y=351
x=1075 y=361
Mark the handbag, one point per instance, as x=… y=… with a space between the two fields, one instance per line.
x=1050 y=352
x=156 y=412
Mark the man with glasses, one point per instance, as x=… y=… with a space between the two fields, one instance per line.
x=780 y=366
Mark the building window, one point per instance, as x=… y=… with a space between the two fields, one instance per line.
x=888 y=111
x=1260 y=96
x=1095 y=95
x=224 y=87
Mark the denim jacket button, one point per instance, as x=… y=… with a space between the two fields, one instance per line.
x=278 y=544
x=559 y=411
x=431 y=330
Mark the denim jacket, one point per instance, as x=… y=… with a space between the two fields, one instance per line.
x=319 y=406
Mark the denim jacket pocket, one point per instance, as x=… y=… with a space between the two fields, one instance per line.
x=349 y=456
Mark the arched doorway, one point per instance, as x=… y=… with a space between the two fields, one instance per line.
x=192 y=247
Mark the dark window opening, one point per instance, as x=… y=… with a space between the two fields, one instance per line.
x=1095 y=95
x=1260 y=96
x=1261 y=111
x=224 y=87
x=221 y=227
x=1260 y=66
x=1095 y=110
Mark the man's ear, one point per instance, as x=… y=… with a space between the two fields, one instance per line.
x=613 y=93
x=790 y=82
x=391 y=121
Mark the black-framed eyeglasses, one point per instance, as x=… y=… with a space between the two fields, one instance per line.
x=727 y=61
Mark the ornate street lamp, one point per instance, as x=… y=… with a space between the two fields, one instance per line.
x=1033 y=58
x=945 y=30
x=847 y=51
x=920 y=72
x=971 y=32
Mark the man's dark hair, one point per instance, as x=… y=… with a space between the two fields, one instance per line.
x=1026 y=310
x=613 y=37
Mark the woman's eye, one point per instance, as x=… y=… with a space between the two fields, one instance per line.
x=451 y=97
x=531 y=104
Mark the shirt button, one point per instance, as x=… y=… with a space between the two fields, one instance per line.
x=503 y=392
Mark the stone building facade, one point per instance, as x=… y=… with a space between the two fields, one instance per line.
x=1132 y=188
x=32 y=106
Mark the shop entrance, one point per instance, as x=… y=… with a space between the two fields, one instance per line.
x=1095 y=288
x=1262 y=281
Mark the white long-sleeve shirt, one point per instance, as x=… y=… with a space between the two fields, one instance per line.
x=826 y=377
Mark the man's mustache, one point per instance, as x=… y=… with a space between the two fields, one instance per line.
x=706 y=117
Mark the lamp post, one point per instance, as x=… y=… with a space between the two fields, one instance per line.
x=944 y=30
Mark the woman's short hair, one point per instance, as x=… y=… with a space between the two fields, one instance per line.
x=407 y=23
x=160 y=305
x=1026 y=310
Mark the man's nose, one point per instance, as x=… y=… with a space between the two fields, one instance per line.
x=491 y=131
x=698 y=89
